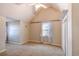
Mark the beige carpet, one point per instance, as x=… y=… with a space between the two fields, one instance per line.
x=32 y=49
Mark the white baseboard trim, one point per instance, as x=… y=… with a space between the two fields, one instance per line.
x=34 y=41
x=58 y=45
x=1 y=51
x=13 y=42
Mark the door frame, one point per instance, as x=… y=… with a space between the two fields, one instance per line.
x=67 y=45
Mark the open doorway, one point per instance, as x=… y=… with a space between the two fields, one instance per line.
x=12 y=31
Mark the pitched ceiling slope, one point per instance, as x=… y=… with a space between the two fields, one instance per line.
x=25 y=11
x=58 y=8
x=47 y=14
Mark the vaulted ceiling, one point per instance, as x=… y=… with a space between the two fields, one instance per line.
x=24 y=11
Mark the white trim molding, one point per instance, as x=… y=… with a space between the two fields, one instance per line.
x=69 y=52
x=67 y=32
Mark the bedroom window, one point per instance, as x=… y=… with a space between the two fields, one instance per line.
x=46 y=29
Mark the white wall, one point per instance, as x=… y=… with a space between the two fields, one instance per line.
x=24 y=32
x=2 y=34
x=14 y=11
x=49 y=14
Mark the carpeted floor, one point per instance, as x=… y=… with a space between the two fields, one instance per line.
x=32 y=49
